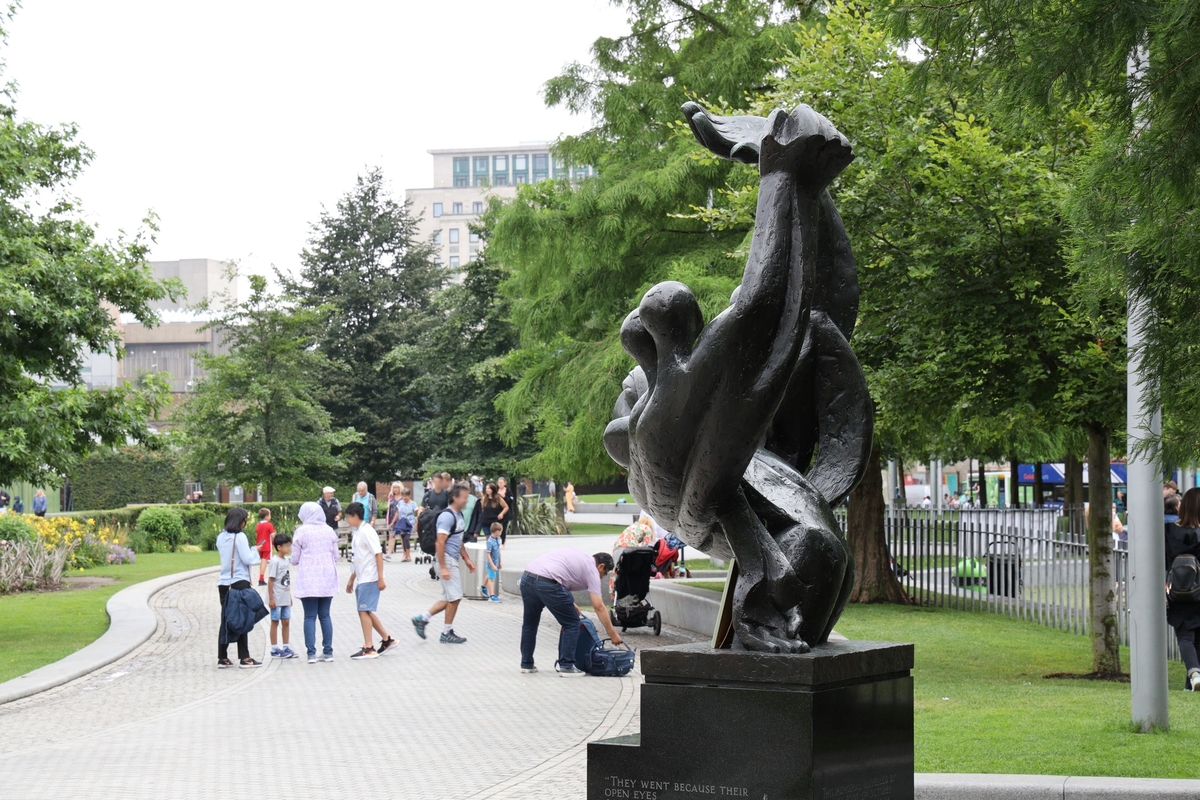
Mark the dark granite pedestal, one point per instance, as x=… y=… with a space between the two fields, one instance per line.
x=833 y=724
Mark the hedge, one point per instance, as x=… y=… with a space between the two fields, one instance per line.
x=114 y=478
x=283 y=515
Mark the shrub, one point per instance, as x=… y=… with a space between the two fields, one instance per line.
x=115 y=478
x=538 y=519
x=16 y=528
x=162 y=526
x=196 y=520
x=138 y=542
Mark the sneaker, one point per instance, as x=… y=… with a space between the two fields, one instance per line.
x=312 y=658
x=366 y=652
x=419 y=623
x=261 y=582
x=495 y=599
x=451 y=638
x=276 y=652
x=570 y=672
x=1194 y=682
x=326 y=657
x=249 y=663
x=386 y=644
x=387 y=558
x=287 y=652
x=528 y=670
x=224 y=663
x=483 y=591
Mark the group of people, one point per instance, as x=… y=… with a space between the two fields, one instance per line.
x=18 y=505
x=313 y=550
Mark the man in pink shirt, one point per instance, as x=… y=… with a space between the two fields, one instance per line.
x=548 y=582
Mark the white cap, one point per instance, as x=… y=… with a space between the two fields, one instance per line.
x=327 y=489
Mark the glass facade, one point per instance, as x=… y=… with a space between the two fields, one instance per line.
x=500 y=170
x=520 y=168
x=541 y=166
x=481 y=171
x=462 y=171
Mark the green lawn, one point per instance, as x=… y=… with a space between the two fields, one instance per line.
x=606 y=498
x=595 y=529
x=39 y=628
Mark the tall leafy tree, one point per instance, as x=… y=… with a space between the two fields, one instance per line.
x=582 y=255
x=257 y=416
x=61 y=288
x=374 y=281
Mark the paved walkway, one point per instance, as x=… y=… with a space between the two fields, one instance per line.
x=425 y=721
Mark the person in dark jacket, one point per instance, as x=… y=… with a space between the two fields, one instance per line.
x=237 y=556
x=1183 y=538
x=332 y=508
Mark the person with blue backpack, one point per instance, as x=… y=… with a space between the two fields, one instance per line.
x=548 y=583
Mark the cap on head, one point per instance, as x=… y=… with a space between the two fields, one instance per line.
x=327 y=490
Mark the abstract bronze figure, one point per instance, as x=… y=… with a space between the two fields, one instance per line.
x=740 y=434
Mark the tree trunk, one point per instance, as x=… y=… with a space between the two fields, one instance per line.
x=270 y=492
x=903 y=487
x=560 y=502
x=1073 y=494
x=1106 y=650
x=1038 y=488
x=983 y=498
x=1014 y=483
x=874 y=579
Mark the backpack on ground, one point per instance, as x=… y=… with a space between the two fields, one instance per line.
x=1184 y=579
x=594 y=658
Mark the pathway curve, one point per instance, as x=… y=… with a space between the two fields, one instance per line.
x=427 y=721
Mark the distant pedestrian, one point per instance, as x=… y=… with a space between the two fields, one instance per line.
x=570 y=497
x=438 y=496
x=236 y=558
x=4 y=501
x=264 y=531
x=927 y=503
x=401 y=520
x=369 y=503
x=471 y=515
x=331 y=507
x=477 y=484
x=1183 y=568
x=548 y=582
x=449 y=547
x=493 y=563
x=279 y=595
x=368 y=575
x=315 y=553
x=551 y=489
x=492 y=508
x=39 y=503
x=510 y=500
x=18 y=505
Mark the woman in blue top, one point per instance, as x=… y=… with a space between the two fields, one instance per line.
x=401 y=519
x=237 y=556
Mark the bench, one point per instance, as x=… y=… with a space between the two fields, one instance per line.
x=344 y=534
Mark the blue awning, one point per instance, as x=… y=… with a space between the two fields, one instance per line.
x=1056 y=474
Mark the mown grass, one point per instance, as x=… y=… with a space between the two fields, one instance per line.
x=606 y=498
x=595 y=529
x=39 y=628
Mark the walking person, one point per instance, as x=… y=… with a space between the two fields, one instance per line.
x=368 y=574
x=1183 y=568
x=401 y=520
x=492 y=508
x=510 y=507
x=39 y=503
x=369 y=503
x=236 y=559
x=264 y=532
x=449 y=547
x=315 y=552
x=548 y=582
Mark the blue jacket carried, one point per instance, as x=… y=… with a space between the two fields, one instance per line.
x=244 y=609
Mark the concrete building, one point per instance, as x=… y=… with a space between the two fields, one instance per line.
x=171 y=346
x=463 y=180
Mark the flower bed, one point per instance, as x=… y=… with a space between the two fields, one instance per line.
x=35 y=551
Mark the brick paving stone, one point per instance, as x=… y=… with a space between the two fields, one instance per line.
x=427 y=721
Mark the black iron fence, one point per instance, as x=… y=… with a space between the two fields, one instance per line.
x=1030 y=564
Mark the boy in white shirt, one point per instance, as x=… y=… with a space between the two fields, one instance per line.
x=368 y=572
x=279 y=594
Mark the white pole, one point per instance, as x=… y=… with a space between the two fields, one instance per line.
x=936 y=468
x=1147 y=545
x=891 y=482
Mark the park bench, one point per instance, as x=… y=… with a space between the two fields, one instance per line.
x=344 y=535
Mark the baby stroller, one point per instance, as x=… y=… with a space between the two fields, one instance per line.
x=668 y=558
x=631 y=605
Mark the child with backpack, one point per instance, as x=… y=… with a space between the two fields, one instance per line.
x=1183 y=582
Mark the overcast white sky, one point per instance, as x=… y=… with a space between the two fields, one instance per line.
x=236 y=121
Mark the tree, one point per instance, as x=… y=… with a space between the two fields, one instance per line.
x=257 y=416
x=469 y=332
x=373 y=281
x=582 y=255
x=61 y=290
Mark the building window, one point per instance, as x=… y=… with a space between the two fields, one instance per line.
x=454 y=236
x=456 y=208
x=462 y=171
x=453 y=262
x=541 y=166
x=561 y=171
x=474 y=237
x=437 y=238
x=500 y=170
x=477 y=207
x=581 y=173
x=520 y=177
x=437 y=209
x=481 y=171
x=520 y=163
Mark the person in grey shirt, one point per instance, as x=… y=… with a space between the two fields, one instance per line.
x=449 y=547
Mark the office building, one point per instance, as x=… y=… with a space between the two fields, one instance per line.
x=464 y=180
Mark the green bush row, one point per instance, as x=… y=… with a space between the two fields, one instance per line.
x=201 y=522
x=115 y=478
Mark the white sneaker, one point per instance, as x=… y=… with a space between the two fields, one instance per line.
x=1194 y=682
x=528 y=670
x=324 y=657
x=570 y=672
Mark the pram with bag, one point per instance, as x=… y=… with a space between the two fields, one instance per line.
x=631 y=602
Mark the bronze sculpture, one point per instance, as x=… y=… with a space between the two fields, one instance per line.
x=740 y=434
